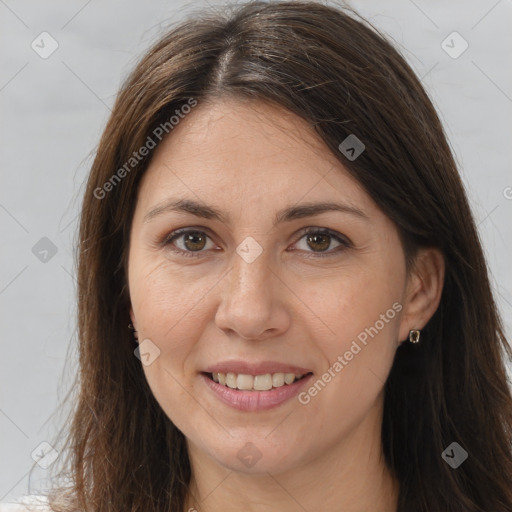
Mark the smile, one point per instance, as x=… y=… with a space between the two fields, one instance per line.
x=253 y=399
x=263 y=382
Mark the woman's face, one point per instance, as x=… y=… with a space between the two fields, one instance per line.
x=248 y=292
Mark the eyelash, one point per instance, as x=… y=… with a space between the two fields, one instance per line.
x=345 y=243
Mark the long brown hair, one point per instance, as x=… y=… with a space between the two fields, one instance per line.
x=339 y=73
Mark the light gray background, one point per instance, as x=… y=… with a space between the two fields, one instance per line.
x=53 y=111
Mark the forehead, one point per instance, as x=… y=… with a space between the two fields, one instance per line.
x=247 y=156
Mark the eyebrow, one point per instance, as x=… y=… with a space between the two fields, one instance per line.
x=288 y=214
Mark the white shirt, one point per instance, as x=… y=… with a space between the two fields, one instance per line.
x=28 y=503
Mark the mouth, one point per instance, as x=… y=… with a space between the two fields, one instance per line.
x=255 y=383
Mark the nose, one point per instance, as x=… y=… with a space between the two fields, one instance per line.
x=253 y=300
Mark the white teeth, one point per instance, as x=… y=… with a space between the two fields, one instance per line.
x=231 y=380
x=289 y=378
x=244 y=381
x=264 y=382
x=255 y=383
x=278 y=380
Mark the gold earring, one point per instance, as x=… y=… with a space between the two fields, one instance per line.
x=414 y=335
x=130 y=326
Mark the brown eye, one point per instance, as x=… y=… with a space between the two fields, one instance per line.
x=194 y=240
x=187 y=242
x=320 y=242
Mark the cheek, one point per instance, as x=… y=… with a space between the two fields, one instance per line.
x=164 y=297
x=360 y=313
x=348 y=302
x=168 y=307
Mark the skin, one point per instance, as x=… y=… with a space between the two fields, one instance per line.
x=251 y=159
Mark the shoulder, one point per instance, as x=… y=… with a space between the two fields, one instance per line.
x=29 y=503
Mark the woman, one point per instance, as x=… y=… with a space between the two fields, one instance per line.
x=275 y=214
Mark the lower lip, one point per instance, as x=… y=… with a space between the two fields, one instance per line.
x=255 y=400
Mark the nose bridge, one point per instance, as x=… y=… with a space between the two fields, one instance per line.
x=250 y=269
x=248 y=303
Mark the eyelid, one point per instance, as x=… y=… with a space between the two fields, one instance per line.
x=344 y=241
x=167 y=240
x=182 y=231
x=335 y=234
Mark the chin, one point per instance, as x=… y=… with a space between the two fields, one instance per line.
x=254 y=456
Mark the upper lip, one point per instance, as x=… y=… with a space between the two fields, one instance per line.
x=261 y=368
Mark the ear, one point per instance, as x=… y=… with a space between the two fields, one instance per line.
x=132 y=317
x=423 y=290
